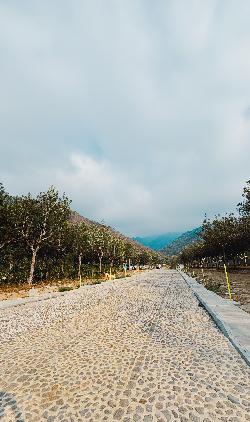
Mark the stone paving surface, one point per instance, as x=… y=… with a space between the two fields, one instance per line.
x=139 y=349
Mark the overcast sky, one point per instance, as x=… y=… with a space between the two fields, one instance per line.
x=138 y=109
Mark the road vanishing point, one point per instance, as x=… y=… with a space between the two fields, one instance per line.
x=140 y=349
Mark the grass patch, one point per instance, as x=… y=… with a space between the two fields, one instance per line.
x=214 y=287
x=64 y=289
x=97 y=281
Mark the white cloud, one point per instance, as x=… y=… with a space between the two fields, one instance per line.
x=136 y=109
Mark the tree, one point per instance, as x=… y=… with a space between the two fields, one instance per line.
x=39 y=237
x=244 y=206
x=80 y=244
x=221 y=236
x=115 y=251
x=244 y=221
x=224 y=237
x=6 y=227
x=132 y=251
x=40 y=221
x=100 y=236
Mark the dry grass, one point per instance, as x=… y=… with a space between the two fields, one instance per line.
x=11 y=291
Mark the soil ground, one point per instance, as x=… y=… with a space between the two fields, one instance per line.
x=17 y=291
x=215 y=280
x=11 y=292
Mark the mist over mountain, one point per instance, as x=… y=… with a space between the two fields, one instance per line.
x=157 y=242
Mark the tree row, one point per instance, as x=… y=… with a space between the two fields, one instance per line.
x=40 y=239
x=223 y=239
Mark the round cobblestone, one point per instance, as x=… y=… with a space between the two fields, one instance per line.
x=139 y=349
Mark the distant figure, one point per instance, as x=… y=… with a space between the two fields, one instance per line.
x=158 y=266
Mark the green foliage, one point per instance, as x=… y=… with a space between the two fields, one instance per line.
x=214 y=287
x=41 y=238
x=244 y=206
x=39 y=222
x=222 y=239
x=96 y=281
x=181 y=242
x=64 y=289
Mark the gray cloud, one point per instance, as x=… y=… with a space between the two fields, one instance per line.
x=138 y=110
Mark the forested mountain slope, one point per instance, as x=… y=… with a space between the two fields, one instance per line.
x=157 y=242
x=181 y=242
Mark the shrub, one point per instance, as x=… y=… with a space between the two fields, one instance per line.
x=97 y=281
x=64 y=288
x=214 y=287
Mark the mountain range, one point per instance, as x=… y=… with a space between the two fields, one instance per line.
x=169 y=243
x=157 y=242
x=76 y=218
x=178 y=244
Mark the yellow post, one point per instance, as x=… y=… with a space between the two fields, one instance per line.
x=80 y=280
x=228 y=284
x=110 y=274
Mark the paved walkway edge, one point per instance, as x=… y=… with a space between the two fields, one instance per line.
x=11 y=303
x=232 y=321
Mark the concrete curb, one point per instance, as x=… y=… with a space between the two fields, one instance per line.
x=232 y=321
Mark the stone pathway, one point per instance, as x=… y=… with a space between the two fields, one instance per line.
x=139 y=349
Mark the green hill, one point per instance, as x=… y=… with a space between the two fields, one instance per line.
x=157 y=242
x=178 y=244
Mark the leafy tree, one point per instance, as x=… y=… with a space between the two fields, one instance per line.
x=244 y=221
x=6 y=228
x=39 y=236
x=40 y=221
x=244 y=206
x=224 y=237
x=100 y=238
x=131 y=252
x=220 y=236
x=80 y=244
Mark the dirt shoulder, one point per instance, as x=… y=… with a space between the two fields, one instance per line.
x=215 y=280
x=18 y=291
x=11 y=292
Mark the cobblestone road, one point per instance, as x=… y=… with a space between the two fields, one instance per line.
x=139 y=349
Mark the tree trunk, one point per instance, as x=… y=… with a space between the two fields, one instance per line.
x=79 y=268
x=111 y=264
x=100 y=264
x=32 y=266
